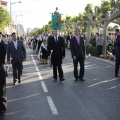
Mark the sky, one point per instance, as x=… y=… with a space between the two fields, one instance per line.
x=36 y=13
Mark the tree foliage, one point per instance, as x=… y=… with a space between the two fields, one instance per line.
x=4 y=18
x=112 y=28
x=93 y=16
x=89 y=8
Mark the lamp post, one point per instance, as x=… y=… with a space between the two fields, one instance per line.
x=17 y=24
x=11 y=14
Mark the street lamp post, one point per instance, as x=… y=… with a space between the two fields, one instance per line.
x=11 y=14
x=17 y=24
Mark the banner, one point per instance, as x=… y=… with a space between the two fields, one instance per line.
x=56 y=21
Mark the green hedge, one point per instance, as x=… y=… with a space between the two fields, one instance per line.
x=91 y=49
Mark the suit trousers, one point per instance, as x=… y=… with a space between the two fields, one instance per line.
x=17 y=70
x=81 y=72
x=117 y=63
x=57 y=64
x=3 y=100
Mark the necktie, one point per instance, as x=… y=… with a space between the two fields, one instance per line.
x=78 y=39
x=56 y=39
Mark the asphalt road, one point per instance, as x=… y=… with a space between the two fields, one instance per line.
x=38 y=98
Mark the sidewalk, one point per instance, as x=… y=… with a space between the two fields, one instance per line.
x=103 y=60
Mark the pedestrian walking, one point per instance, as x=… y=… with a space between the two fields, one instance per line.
x=57 y=45
x=99 y=44
x=44 y=52
x=117 y=51
x=17 y=53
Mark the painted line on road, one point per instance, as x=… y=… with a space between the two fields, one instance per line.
x=36 y=68
x=52 y=105
x=44 y=86
x=38 y=72
x=33 y=60
x=49 y=99
x=35 y=64
x=39 y=75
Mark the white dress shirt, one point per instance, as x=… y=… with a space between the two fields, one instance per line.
x=15 y=44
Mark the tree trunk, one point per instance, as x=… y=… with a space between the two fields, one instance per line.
x=105 y=38
x=88 y=34
x=98 y=29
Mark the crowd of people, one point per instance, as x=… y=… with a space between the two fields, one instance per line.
x=50 y=49
x=97 y=41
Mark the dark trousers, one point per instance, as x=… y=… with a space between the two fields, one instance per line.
x=3 y=99
x=99 y=50
x=81 y=73
x=17 y=70
x=57 y=64
x=117 y=63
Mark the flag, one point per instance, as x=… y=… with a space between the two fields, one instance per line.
x=56 y=21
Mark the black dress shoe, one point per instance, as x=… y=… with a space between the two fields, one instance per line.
x=2 y=114
x=14 y=81
x=19 y=81
x=116 y=75
x=81 y=79
x=54 y=80
x=62 y=79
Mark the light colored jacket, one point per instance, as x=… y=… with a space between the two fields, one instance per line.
x=99 y=40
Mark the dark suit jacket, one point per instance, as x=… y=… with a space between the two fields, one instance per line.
x=16 y=55
x=67 y=38
x=77 y=50
x=2 y=53
x=2 y=41
x=117 y=46
x=58 y=49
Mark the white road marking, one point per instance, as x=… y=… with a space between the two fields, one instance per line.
x=44 y=86
x=33 y=60
x=49 y=99
x=52 y=105
x=39 y=75
x=38 y=72
x=36 y=68
x=35 y=64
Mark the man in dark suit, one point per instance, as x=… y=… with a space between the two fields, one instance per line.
x=117 y=51
x=16 y=51
x=68 y=38
x=78 y=54
x=2 y=78
x=57 y=45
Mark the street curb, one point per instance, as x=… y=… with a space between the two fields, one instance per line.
x=103 y=60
